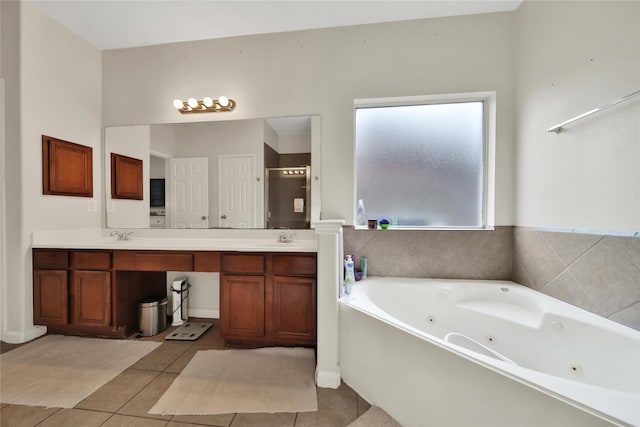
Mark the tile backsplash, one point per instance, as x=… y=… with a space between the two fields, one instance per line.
x=599 y=273
x=443 y=254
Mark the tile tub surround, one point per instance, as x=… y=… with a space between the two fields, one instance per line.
x=598 y=273
x=441 y=254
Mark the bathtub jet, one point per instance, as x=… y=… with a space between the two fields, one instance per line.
x=466 y=352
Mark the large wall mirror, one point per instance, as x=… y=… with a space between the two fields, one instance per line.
x=253 y=173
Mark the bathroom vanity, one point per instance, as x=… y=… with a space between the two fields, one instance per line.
x=266 y=297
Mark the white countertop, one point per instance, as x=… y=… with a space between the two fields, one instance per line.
x=178 y=239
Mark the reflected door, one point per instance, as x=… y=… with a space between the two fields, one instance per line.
x=236 y=202
x=189 y=192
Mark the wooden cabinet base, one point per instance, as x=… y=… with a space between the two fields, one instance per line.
x=93 y=332
x=268 y=299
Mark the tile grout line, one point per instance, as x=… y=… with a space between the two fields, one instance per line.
x=624 y=252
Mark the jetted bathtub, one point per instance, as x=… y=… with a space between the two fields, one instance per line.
x=486 y=353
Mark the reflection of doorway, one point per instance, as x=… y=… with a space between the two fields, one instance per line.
x=189 y=193
x=288 y=192
x=236 y=191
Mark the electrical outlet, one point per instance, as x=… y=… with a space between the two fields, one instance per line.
x=91 y=206
x=110 y=206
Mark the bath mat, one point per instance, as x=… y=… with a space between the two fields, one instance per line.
x=374 y=417
x=60 y=371
x=189 y=332
x=271 y=380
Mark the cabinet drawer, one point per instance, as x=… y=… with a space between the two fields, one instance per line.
x=243 y=263
x=91 y=260
x=294 y=265
x=50 y=259
x=206 y=261
x=153 y=261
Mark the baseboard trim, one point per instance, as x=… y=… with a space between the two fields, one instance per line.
x=204 y=313
x=327 y=379
x=14 y=337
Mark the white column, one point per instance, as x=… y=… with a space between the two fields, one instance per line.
x=329 y=234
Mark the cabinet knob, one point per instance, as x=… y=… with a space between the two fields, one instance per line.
x=223 y=216
x=204 y=217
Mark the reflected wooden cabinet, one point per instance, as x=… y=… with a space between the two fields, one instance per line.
x=268 y=299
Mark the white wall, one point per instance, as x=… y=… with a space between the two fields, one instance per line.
x=9 y=44
x=157 y=168
x=572 y=57
x=163 y=140
x=270 y=136
x=294 y=144
x=59 y=78
x=322 y=72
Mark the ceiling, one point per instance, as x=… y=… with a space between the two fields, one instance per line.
x=114 y=24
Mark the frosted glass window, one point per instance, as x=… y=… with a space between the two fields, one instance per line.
x=423 y=164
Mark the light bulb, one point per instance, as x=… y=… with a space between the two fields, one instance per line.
x=177 y=103
x=223 y=101
x=208 y=102
x=193 y=103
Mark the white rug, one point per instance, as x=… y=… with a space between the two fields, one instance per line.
x=60 y=371
x=269 y=380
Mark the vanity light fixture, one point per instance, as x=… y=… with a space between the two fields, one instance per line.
x=294 y=172
x=207 y=105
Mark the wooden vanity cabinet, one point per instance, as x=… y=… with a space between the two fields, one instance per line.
x=268 y=299
x=73 y=291
x=91 y=302
x=242 y=297
x=51 y=287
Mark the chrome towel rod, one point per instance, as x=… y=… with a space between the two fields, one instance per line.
x=558 y=128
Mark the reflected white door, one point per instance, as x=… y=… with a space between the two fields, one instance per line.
x=236 y=185
x=189 y=193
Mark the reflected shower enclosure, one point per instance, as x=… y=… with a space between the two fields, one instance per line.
x=288 y=192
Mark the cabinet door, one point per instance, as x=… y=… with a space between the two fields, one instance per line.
x=91 y=298
x=51 y=297
x=294 y=309
x=242 y=306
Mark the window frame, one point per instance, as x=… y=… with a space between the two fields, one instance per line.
x=488 y=98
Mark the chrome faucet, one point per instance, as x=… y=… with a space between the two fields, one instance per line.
x=285 y=237
x=123 y=236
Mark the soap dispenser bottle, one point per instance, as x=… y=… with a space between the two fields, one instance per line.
x=349 y=275
x=361 y=217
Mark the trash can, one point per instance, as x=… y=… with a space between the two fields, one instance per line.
x=152 y=315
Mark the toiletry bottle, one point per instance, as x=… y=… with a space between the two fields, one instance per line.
x=361 y=217
x=349 y=275
x=363 y=267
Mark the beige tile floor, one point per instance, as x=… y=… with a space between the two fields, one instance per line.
x=125 y=400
